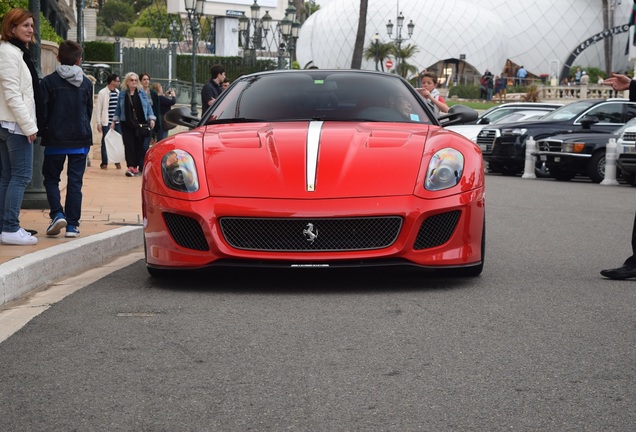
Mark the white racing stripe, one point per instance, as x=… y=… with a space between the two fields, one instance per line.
x=313 y=145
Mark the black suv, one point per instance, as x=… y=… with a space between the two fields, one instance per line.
x=504 y=145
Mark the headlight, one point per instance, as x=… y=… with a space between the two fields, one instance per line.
x=179 y=172
x=515 y=131
x=572 y=147
x=444 y=170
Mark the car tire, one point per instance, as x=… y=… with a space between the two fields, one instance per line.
x=596 y=167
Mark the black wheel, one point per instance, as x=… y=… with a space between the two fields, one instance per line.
x=596 y=167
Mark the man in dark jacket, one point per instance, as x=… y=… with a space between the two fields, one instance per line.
x=212 y=89
x=68 y=106
x=628 y=269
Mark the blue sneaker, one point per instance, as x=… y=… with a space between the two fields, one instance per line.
x=71 y=231
x=56 y=225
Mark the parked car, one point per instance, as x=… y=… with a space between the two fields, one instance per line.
x=626 y=147
x=498 y=111
x=568 y=155
x=504 y=145
x=471 y=131
x=308 y=168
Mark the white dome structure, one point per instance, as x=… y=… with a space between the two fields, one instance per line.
x=538 y=34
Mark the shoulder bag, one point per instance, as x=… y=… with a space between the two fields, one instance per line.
x=142 y=130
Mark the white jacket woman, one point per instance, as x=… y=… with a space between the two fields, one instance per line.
x=17 y=102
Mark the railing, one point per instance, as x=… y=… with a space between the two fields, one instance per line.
x=593 y=91
x=567 y=93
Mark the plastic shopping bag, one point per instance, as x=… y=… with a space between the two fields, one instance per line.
x=114 y=146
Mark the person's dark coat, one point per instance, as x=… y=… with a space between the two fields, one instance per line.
x=68 y=108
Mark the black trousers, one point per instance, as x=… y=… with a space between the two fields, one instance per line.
x=133 y=145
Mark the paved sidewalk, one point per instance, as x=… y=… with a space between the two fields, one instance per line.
x=111 y=225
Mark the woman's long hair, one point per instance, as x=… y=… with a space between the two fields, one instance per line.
x=124 y=83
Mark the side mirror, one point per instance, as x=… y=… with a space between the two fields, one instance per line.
x=181 y=116
x=588 y=121
x=458 y=114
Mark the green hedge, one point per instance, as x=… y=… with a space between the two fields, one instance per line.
x=99 y=52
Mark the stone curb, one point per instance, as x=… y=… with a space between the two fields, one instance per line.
x=41 y=268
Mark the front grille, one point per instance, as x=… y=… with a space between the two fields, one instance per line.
x=629 y=136
x=505 y=149
x=186 y=231
x=486 y=139
x=437 y=230
x=311 y=234
x=551 y=146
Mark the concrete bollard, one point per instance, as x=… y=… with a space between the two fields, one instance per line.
x=528 y=171
x=610 y=163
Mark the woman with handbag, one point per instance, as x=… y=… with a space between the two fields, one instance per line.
x=135 y=115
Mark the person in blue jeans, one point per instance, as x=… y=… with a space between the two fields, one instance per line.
x=19 y=102
x=68 y=106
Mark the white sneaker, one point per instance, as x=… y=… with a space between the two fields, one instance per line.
x=20 y=237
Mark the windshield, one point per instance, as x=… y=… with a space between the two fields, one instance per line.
x=570 y=111
x=320 y=95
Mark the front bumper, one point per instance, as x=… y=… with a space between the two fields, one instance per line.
x=212 y=248
x=575 y=162
x=626 y=162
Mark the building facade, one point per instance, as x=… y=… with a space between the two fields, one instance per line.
x=461 y=39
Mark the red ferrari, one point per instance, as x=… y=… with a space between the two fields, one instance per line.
x=315 y=168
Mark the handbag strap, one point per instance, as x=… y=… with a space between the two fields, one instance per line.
x=132 y=105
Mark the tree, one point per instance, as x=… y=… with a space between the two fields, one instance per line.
x=384 y=51
x=116 y=11
x=358 y=48
x=310 y=8
x=140 y=5
x=608 y=41
x=403 y=53
x=157 y=19
x=139 y=32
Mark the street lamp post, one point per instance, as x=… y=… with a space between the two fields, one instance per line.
x=398 y=37
x=289 y=28
x=254 y=30
x=80 y=22
x=376 y=43
x=195 y=12
x=173 y=40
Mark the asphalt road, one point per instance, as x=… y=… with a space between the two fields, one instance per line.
x=539 y=342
